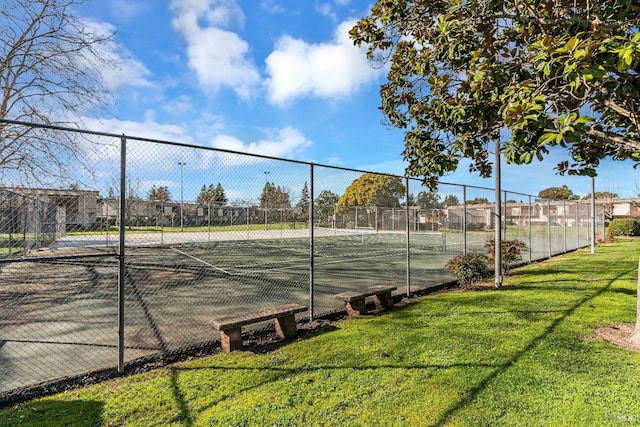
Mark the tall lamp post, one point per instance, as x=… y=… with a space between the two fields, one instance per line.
x=266 y=199
x=181 y=195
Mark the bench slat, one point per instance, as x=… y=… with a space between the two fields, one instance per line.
x=232 y=322
x=365 y=292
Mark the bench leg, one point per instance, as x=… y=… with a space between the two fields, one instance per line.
x=286 y=327
x=383 y=301
x=231 y=339
x=356 y=307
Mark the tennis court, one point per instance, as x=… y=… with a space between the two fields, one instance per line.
x=60 y=310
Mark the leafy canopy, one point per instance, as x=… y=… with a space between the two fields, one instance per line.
x=538 y=74
x=558 y=193
x=373 y=190
x=602 y=195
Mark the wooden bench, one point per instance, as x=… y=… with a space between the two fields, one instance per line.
x=355 y=300
x=231 y=327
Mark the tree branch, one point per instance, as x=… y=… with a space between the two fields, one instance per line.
x=626 y=143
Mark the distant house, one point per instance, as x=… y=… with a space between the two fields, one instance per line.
x=620 y=208
x=482 y=217
x=76 y=208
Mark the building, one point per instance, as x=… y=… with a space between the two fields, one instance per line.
x=76 y=208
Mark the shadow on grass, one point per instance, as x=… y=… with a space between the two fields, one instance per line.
x=497 y=369
x=474 y=391
x=184 y=416
x=77 y=413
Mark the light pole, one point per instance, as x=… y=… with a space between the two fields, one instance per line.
x=266 y=198
x=181 y=195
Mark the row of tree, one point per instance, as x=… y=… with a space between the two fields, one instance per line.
x=367 y=190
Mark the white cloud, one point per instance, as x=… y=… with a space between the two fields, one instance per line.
x=117 y=67
x=126 y=10
x=140 y=154
x=218 y=13
x=180 y=105
x=272 y=7
x=286 y=143
x=218 y=56
x=326 y=9
x=145 y=155
x=326 y=70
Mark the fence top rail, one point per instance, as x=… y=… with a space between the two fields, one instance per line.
x=222 y=150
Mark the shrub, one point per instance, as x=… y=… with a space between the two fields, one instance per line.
x=475 y=226
x=469 y=268
x=511 y=252
x=624 y=227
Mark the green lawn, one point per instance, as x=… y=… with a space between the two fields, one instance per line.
x=523 y=355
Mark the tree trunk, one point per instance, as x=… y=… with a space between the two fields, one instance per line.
x=635 y=337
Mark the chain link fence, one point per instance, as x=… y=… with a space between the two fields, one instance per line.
x=154 y=239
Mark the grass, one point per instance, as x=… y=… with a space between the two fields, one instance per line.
x=522 y=355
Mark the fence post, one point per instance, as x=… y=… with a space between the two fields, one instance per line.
x=498 y=220
x=464 y=218
x=311 y=243
x=408 y=240
x=356 y=221
x=36 y=220
x=504 y=234
x=121 y=253
x=565 y=225
x=530 y=233
x=12 y=222
x=577 y=225
x=593 y=215
x=549 y=225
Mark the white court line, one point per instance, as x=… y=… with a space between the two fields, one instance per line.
x=202 y=261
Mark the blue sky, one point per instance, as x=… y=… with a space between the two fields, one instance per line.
x=273 y=77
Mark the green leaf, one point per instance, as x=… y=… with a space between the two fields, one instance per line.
x=572 y=43
x=526 y=158
x=548 y=138
x=580 y=54
x=622 y=65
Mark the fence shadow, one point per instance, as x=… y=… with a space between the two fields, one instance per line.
x=473 y=393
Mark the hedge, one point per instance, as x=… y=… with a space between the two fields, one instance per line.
x=624 y=227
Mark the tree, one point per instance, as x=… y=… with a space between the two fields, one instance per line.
x=373 y=190
x=428 y=200
x=50 y=68
x=161 y=194
x=273 y=197
x=303 y=204
x=551 y=73
x=325 y=205
x=450 y=200
x=478 y=201
x=602 y=195
x=219 y=197
x=558 y=193
x=134 y=206
x=212 y=195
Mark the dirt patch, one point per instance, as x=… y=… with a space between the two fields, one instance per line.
x=619 y=335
